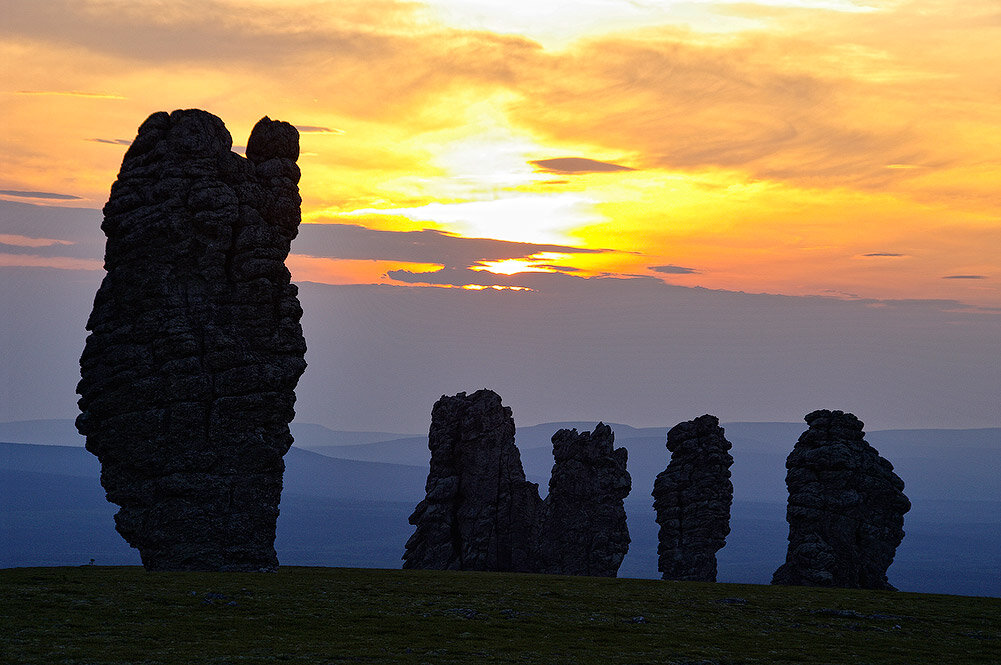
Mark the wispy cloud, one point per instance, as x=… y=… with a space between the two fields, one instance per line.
x=884 y=254
x=674 y=270
x=964 y=277
x=39 y=195
x=313 y=129
x=26 y=241
x=57 y=262
x=112 y=141
x=353 y=242
x=71 y=93
x=577 y=165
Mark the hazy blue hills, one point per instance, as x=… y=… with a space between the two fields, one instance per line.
x=349 y=505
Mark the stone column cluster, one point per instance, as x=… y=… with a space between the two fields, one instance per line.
x=188 y=384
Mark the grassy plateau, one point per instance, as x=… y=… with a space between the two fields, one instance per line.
x=101 y=615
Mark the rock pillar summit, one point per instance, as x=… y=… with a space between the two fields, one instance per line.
x=582 y=525
x=692 y=498
x=195 y=347
x=846 y=507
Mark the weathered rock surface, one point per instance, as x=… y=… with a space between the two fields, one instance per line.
x=189 y=372
x=582 y=526
x=692 y=499
x=480 y=512
x=846 y=507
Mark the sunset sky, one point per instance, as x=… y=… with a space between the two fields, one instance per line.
x=848 y=149
x=840 y=147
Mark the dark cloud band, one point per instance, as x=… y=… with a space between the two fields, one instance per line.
x=577 y=166
x=39 y=195
x=674 y=270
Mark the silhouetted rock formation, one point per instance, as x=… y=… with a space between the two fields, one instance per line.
x=188 y=375
x=846 y=507
x=692 y=498
x=480 y=512
x=582 y=528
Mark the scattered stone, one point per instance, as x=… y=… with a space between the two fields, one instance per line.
x=692 y=498
x=638 y=619
x=846 y=508
x=188 y=375
x=732 y=601
x=582 y=527
x=480 y=512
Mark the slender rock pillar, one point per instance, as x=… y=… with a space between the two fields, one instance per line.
x=692 y=498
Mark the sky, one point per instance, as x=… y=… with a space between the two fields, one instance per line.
x=752 y=208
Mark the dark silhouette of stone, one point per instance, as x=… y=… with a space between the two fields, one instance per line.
x=188 y=375
x=846 y=507
x=582 y=526
x=480 y=512
x=692 y=498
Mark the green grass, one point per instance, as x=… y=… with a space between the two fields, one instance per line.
x=96 y=615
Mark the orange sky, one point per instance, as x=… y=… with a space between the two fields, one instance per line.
x=842 y=147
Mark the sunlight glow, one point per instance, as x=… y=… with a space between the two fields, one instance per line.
x=557 y=23
x=495 y=287
x=510 y=266
x=538 y=218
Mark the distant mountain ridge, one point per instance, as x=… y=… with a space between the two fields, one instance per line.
x=337 y=512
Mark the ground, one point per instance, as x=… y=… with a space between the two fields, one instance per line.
x=104 y=615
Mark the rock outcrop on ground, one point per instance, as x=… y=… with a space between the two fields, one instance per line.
x=189 y=372
x=692 y=499
x=479 y=513
x=846 y=507
x=582 y=526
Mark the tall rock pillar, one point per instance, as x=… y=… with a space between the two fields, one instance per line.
x=846 y=507
x=582 y=526
x=195 y=348
x=479 y=512
x=692 y=498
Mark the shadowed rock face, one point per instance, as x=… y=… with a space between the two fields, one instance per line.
x=846 y=507
x=692 y=498
x=189 y=372
x=480 y=512
x=582 y=528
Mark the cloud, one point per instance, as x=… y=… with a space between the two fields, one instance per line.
x=887 y=254
x=57 y=262
x=674 y=270
x=350 y=241
x=964 y=277
x=71 y=93
x=17 y=240
x=553 y=283
x=456 y=277
x=112 y=141
x=314 y=129
x=577 y=165
x=39 y=195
